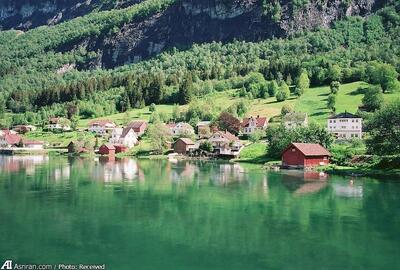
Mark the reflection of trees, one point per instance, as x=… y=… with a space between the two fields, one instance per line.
x=196 y=219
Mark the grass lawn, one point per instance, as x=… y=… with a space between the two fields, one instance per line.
x=134 y=114
x=59 y=139
x=313 y=102
x=255 y=153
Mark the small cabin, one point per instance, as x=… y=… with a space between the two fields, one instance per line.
x=305 y=155
x=107 y=149
x=183 y=145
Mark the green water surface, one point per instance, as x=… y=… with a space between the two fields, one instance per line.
x=145 y=214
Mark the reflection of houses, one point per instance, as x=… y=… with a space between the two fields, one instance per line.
x=225 y=143
x=301 y=155
x=345 y=126
x=228 y=173
x=139 y=127
x=111 y=170
x=6 y=131
x=124 y=136
x=181 y=129
x=184 y=146
x=183 y=170
x=58 y=124
x=17 y=162
x=304 y=182
x=295 y=119
x=249 y=125
x=101 y=127
x=349 y=191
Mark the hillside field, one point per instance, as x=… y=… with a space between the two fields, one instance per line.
x=313 y=102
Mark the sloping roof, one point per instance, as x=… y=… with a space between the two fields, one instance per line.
x=203 y=123
x=12 y=138
x=126 y=130
x=187 y=141
x=101 y=122
x=54 y=120
x=227 y=135
x=137 y=124
x=260 y=121
x=310 y=149
x=109 y=146
x=295 y=117
x=344 y=115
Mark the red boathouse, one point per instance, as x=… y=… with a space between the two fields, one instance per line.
x=301 y=155
x=107 y=149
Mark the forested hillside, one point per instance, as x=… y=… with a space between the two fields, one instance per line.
x=86 y=62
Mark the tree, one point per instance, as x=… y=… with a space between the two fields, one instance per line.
x=384 y=130
x=257 y=135
x=286 y=109
x=283 y=92
x=335 y=85
x=387 y=76
x=334 y=73
x=303 y=82
x=373 y=98
x=74 y=122
x=273 y=88
x=186 y=90
x=159 y=136
x=2 y=106
x=206 y=146
x=152 y=107
x=331 y=103
x=227 y=121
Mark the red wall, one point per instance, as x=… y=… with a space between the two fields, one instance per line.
x=291 y=158
x=103 y=150
x=296 y=158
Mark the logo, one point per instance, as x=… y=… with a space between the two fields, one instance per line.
x=7 y=265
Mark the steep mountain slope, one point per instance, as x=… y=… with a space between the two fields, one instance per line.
x=27 y=14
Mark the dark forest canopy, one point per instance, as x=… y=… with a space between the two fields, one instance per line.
x=32 y=63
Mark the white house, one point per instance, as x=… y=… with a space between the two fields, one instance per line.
x=180 y=129
x=125 y=136
x=58 y=123
x=249 y=125
x=345 y=126
x=295 y=119
x=101 y=127
x=225 y=143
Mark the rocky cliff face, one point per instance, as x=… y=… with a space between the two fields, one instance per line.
x=199 y=21
x=27 y=14
x=184 y=23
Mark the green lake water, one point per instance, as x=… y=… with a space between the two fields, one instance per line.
x=144 y=214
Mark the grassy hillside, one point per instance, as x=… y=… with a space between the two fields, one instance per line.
x=313 y=102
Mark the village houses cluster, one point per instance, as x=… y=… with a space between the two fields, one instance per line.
x=344 y=126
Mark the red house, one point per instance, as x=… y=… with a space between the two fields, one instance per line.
x=120 y=148
x=107 y=149
x=301 y=155
x=138 y=126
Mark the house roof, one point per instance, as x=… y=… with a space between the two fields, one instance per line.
x=109 y=146
x=203 y=123
x=344 y=115
x=137 y=124
x=12 y=138
x=126 y=130
x=187 y=141
x=260 y=121
x=101 y=122
x=295 y=116
x=227 y=135
x=310 y=149
x=54 y=120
